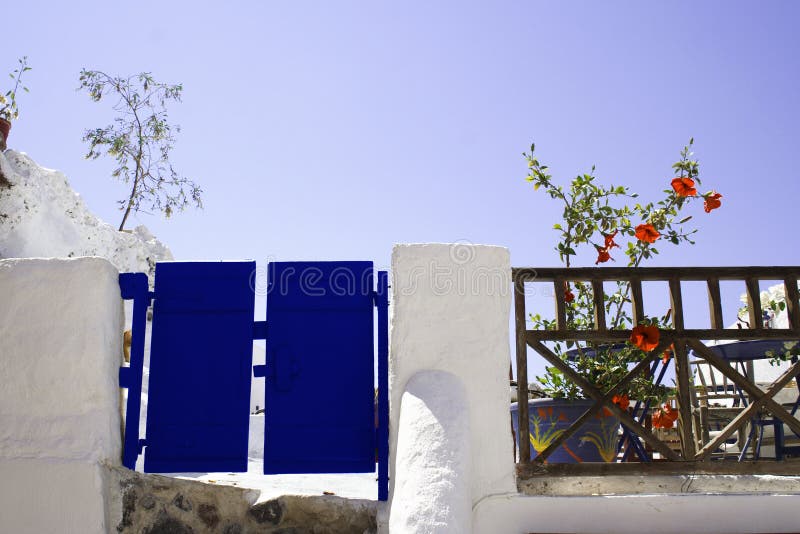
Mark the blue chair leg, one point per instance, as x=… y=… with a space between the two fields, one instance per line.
x=778 y=426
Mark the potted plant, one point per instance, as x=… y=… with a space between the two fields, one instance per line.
x=599 y=218
x=8 y=101
x=774 y=315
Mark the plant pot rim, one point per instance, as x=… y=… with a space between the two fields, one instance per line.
x=553 y=400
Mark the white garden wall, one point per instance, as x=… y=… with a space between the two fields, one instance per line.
x=60 y=351
x=61 y=325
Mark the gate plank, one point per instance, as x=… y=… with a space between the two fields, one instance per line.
x=200 y=364
x=319 y=388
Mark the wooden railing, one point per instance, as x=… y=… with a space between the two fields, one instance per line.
x=678 y=338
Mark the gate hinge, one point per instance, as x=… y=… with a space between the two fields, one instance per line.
x=259 y=329
x=142 y=443
x=125 y=377
x=259 y=371
x=377 y=300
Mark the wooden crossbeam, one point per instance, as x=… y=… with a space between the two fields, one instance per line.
x=606 y=398
x=621 y=335
x=759 y=398
x=590 y=390
x=698 y=274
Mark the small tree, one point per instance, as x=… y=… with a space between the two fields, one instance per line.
x=140 y=139
x=8 y=102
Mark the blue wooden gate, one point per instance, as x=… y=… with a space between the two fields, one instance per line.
x=319 y=415
x=319 y=390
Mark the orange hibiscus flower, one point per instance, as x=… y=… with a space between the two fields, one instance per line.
x=667 y=354
x=610 y=240
x=646 y=232
x=665 y=417
x=602 y=255
x=684 y=187
x=712 y=201
x=622 y=401
x=645 y=337
x=658 y=419
x=670 y=413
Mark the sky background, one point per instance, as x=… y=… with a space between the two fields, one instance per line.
x=332 y=130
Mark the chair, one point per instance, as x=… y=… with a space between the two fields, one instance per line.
x=719 y=401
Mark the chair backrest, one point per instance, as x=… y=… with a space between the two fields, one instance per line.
x=715 y=388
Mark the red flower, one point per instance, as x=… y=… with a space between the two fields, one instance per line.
x=645 y=337
x=670 y=414
x=602 y=252
x=665 y=417
x=712 y=201
x=602 y=255
x=684 y=187
x=667 y=354
x=646 y=232
x=610 y=240
x=622 y=401
x=568 y=295
x=658 y=419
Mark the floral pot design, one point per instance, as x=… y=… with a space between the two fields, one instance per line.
x=5 y=127
x=595 y=441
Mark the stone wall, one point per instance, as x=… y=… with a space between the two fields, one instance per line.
x=153 y=504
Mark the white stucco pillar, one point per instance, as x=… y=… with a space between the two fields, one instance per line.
x=450 y=312
x=432 y=489
x=60 y=350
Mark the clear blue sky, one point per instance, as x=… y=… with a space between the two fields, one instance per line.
x=331 y=130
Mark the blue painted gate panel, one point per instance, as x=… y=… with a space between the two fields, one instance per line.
x=319 y=397
x=200 y=366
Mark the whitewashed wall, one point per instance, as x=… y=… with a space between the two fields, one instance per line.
x=450 y=313
x=60 y=351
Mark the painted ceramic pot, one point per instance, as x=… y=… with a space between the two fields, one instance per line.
x=595 y=441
